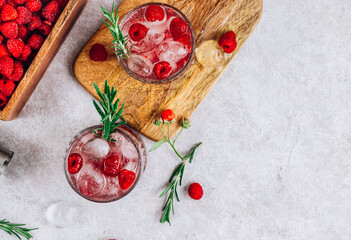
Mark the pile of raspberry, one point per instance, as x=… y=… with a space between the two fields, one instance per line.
x=24 y=25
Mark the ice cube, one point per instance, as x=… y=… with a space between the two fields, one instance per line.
x=172 y=51
x=112 y=187
x=96 y=148
x=140 y=65
x=130 y=155
x=210 y=55
x=91 y=181
x=152 y=39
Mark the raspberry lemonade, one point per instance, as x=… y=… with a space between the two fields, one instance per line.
x=104 y=162
x=158 y=42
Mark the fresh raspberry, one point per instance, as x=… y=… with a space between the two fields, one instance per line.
x=154 y=13
x=34 y=23
x=51 y=11
x=19 y=2
x=228 y=42
x=3 y=100
x=22 y=32
x=3 y=51
x=126 y=179
x=137 y=31
x=181 y=63
x=8 y=13
x=33 y=5
x=25 y=54
x=195 y=191
x=24 y=15
x=167 y=115
x=2 y=3
x=1 y=39
x=98 y=52
x=44 y=29
x=111 y=165
x=9 y=29
x=162 y=70
x=6 y=66
x=11 y=3
x=62 y=3
x=17 y=73
x=35 y=41
x=185 y=39
x=7 y=87
x=74 y=163
x=15 y=46
x=178 y=28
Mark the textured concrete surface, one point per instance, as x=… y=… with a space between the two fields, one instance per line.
x=276 y=128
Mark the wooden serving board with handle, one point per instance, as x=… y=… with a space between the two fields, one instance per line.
x=144 y=102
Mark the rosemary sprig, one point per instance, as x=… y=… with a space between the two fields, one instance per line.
x=16 y=229
x=108 y=111
x=177 y=175
x=120 y=42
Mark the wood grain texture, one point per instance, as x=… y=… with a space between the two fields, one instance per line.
x=144 y=102
x=43 y=59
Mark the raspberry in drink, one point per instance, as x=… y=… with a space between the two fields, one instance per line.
x=104 y=171
x=161 y=41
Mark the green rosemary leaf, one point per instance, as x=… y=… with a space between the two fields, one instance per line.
x=181 y=175
x=176 y=194
x=98 y=109
x=167 y=189
x=157 y=145
x=175 y=172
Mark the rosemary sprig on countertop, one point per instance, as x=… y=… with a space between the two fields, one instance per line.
x=108 y=111
x=16 y=229
x=120 y=40
x=176 y=178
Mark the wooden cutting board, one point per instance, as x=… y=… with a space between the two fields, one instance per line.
x=144 y=102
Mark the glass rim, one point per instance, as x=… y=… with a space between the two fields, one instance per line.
x=138 y=174
x=179 y=73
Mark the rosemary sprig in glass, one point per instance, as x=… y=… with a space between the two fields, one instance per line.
x=108 y=111
x=120 y=42
x=16 y=229
x=177 y=175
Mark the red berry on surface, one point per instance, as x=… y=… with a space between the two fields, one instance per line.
x=112 y=165
x=35 y=41
x=137 y=31
x=154 y=13
x=9 y=29
x=25 y=54
x=33 y=5
x=24 y=15
x=228 y=42
x=3 y=100
x=98 y=52
x=74 y=163
x=3 y=51
x=7 y=87
x=126 y=179
x=15 y=47
x=167 y=115
x=162 y=70
x=22 y=32
x=51 y=11
x=34 y=23
x=17 y=73
x=6 y=66
x=8 y=13
x=19 y=2
x=195 y=191
x=178 y=28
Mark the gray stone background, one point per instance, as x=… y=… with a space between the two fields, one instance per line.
x=275 y=163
